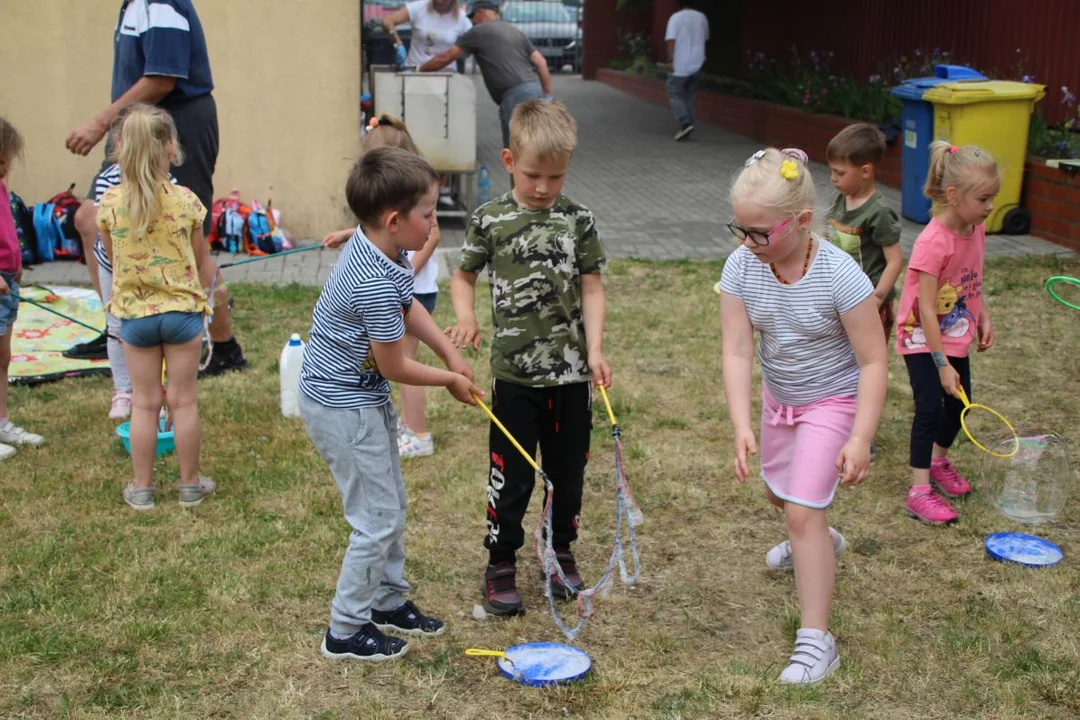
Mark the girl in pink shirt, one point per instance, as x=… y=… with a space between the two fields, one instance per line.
x=11 y=144
x=944 y=281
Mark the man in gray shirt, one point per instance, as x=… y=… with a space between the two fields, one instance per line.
x=514 y=71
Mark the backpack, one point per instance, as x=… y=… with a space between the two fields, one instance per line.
x=24 y=228
x=47 y=231
x=261 y=232
x=229 y=224
x=65 y=205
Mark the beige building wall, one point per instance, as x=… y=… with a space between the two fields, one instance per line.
x=287 y=86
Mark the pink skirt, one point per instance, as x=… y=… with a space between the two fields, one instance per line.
x=799 y=446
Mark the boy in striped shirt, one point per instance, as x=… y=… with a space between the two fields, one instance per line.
x=356 y=346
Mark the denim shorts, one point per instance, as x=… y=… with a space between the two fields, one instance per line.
x=427 y=300
x=171 y=328
x=9 y=306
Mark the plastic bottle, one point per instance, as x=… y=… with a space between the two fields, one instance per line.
x=483 y=185
x=292 y=356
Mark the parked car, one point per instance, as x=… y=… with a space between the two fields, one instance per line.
x=551 y=26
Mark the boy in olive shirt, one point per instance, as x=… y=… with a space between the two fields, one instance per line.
x=860 y=220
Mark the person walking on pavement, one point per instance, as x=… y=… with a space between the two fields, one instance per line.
x=687 y=33
x=160 y=58
x=514 y=71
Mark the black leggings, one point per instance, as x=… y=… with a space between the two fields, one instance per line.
x=937 y=414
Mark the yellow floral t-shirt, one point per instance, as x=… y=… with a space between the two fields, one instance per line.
x=156 y=273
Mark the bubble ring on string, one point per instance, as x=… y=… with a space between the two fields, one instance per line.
x=968 y=405
x=1057 y=280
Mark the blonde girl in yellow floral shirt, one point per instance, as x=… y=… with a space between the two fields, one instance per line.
x=152 y=233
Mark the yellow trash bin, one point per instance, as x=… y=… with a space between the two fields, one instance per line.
x=994 y=115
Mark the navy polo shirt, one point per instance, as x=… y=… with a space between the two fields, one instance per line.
x=161 y=37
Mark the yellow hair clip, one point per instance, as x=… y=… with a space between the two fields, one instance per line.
x=789 y=170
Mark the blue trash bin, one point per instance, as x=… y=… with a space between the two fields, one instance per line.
x=917 y=119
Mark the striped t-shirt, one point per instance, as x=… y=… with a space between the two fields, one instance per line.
x=364 y=300
x=803 y=349
x=107 y=178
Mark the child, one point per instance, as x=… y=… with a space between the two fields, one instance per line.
x=120 y=407
x=544 y=258
x=414 y=440
x=153 y=239
x=944 y=282
x=11 y=145
x=357 y=343
x=860 y=220
x=824 y=375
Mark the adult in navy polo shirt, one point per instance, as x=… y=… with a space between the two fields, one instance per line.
x=159 y=57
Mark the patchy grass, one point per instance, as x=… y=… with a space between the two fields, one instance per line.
x=218 y=612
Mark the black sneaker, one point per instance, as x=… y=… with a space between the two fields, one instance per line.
x=225 y=357
x=370 y=644
x=569 y=569
x=500 y=590
x=407 y=619
x=96 y=349
x=684 y=132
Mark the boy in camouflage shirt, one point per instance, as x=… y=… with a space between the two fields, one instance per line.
x=544 y=260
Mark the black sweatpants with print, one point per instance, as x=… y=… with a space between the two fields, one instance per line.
x=559 y=419
x=937 y=414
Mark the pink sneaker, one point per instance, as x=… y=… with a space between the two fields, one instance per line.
x=949 y=482
x=924 y=505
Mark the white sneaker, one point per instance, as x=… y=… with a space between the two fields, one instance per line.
x=779 y=558
x=411 y=445
x=6 y=451
x=121 y=406
x=12 y=434
x=814 y=658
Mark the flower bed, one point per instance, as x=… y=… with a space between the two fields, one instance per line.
x=1052 y=195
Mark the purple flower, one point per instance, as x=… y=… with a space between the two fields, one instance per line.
x=1028 y=79
x=875 y=79
x=806 y=99
x=918 y=52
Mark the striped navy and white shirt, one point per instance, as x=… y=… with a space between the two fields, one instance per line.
x=107 y=178
x=364 y=300
x=803 y=349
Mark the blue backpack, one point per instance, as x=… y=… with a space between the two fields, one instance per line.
x=49 y=232
x=261 y=235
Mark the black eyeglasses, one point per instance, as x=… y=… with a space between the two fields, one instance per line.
x=757 y=237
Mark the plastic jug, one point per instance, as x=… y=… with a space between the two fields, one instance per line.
x=292 y=357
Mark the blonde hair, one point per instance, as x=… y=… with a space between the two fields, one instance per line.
x=778 y=180
x=966 y=168
x=11 y=142
x=143 y=149
x=543 y=128
x=389 y=131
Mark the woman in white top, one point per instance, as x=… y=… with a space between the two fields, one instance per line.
x=436 y=25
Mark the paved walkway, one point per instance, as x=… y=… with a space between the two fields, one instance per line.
x=653 y=198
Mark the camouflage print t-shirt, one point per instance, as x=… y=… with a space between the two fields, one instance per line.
x=535 y=261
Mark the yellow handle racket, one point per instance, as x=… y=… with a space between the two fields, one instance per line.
x=968 y=406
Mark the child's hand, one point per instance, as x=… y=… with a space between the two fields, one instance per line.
x=463 y=335
x=337 y=239
x=986 y=333
x=4 y=289
x=853 y=462
x=463 y=390
x=601 y=372
x=950 y=380
x=456 y=363
x=745 y=446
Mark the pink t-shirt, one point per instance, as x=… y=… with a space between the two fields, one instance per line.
x=10 y=254
x=957 y=263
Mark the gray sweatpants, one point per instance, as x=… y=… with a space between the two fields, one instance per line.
x=360 y=446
